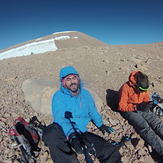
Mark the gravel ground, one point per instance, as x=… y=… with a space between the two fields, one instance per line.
x=102 y=68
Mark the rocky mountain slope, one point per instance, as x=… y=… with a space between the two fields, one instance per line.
x=103 y=68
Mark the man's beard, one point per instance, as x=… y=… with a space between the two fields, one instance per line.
x=73 y=89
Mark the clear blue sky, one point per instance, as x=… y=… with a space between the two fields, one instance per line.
x=111 y=21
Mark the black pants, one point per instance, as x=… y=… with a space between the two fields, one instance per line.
x=149 y=126
x=61 y=152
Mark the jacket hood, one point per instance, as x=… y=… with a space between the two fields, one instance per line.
x=133 y=78
x=65 y=72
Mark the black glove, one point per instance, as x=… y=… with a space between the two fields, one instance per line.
x=104 y=128
x=145 y=106
x=78 y=146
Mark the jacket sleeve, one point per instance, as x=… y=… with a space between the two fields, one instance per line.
x=58 y=112
x=123 y=100
x=93 y=112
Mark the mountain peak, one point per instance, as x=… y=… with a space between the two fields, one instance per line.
x=58 y=40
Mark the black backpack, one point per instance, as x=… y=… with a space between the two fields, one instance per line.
x=27 y=136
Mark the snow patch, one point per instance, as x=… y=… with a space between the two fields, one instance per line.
x=62 y=38
x=63 y=32
x=34 y=47
x=39 y=39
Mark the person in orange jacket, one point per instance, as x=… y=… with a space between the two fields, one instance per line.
x=135 y=106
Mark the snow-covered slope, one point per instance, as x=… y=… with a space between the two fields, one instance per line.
x=50 y=43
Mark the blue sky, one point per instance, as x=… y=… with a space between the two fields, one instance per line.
x=114 y=22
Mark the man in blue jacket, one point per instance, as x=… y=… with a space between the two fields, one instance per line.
x=62 y=136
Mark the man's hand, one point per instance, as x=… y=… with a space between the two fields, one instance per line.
x=144 y=106
x=104 y=129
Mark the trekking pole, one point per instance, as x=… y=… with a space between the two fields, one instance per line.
x=88 y=158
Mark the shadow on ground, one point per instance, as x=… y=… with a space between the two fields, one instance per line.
x=112 y=99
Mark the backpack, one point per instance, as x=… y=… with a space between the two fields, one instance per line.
x=27 y=136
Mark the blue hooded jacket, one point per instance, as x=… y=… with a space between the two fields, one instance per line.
x=82 y=106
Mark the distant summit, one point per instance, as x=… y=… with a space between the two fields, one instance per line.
x=52 y=42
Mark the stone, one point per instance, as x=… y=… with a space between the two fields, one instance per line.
x=38 y=94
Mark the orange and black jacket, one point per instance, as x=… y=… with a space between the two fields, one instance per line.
x=129 y=97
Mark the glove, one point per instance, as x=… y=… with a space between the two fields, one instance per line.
x=122 y=142
x=104 y=128
x=145 y=106
x=75 y=143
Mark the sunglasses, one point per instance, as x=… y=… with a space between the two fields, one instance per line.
x=143 y=89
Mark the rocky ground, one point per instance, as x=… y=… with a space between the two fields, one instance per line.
x=103 y=68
